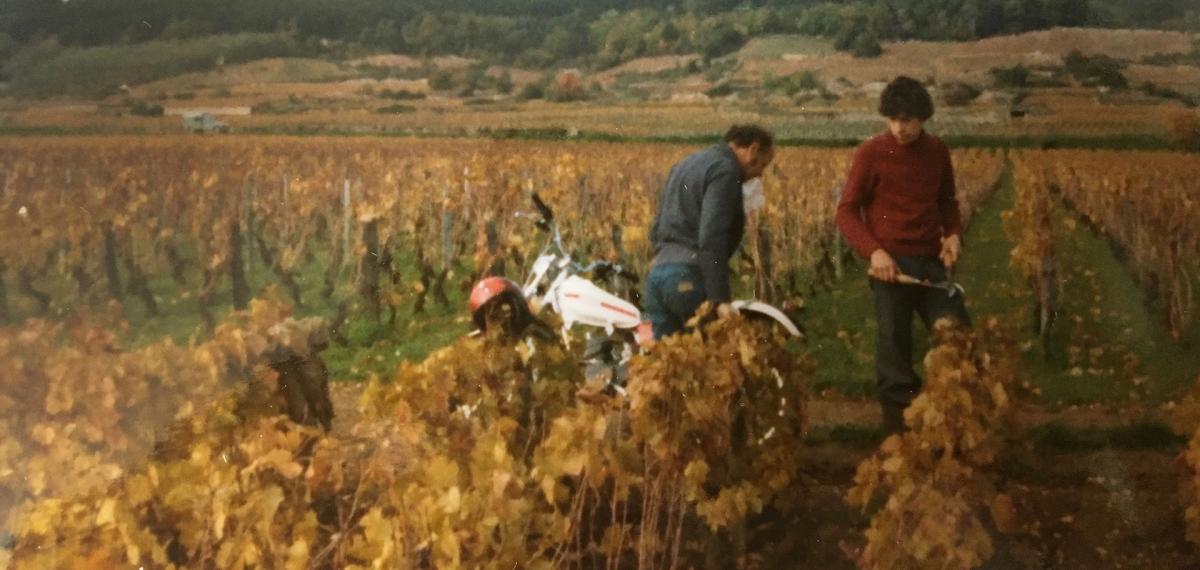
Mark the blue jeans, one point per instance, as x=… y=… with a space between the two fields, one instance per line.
x=673 y=293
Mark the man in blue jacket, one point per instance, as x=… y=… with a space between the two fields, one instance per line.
x=699 y=226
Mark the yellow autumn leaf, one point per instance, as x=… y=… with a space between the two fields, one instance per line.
x=548 y=486
x=441 y=473
x=138 y=490
x=297 y=556
x=573 y=463
x=43 y=434
x=220 y=514
x=44 y=517
x=891 y=444
x=268 y=500
x=106 y=515
x=452 y=500
x=696 y=472
x=500 y=481
x=448 y=548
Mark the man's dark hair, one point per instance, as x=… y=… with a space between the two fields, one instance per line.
x=905 y=97
x=746 y=135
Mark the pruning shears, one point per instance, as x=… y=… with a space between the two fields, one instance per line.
x=951 y=288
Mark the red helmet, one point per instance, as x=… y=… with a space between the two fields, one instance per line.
x=493 y=291
x=491 y=288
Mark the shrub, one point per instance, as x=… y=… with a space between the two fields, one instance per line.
x=807 y=80
x=395 y=109
x=1150 y=88
x=505 y=83
x=719 y=39
x=957 y=94
x=859 y=41
x=442 y=80
x=723 y=89
x=716 y=70
x=1015 y=76
x=794 y=83
x=866 y=45
x=476 y=77
x=1096 y=71
x=567 y=86
x=531 y=91
x=401 y=95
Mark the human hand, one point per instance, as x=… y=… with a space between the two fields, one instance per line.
x=883 y=267
x=951 y=249
x=725 y=310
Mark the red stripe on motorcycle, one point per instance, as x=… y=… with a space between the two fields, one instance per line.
x=619 y=310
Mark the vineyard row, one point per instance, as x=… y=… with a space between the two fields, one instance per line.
x=100 y=218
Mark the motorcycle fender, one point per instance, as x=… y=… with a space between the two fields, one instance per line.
x=581 y=301
x=766 y=310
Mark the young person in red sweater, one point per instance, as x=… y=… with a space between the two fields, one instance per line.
x=898 y=209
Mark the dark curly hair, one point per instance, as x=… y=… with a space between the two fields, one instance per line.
x=905 y=97
x=746 y=135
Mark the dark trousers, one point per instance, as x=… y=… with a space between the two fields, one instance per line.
x=673 y=293
x=894 y=307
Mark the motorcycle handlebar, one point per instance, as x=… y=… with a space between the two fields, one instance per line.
x=547 y=214
x=547 y=223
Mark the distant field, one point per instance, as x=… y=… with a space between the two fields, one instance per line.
x=272 y=70
x=656 y=64
x=663 y=96
x=1056 y=116
x=950 y=61
x=787 y=47
x=1183 y=78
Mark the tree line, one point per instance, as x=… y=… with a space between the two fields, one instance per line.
x=595 y=33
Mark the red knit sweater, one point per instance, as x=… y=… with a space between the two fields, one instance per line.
x=899 y=197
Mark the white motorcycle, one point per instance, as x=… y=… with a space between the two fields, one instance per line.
x=613 y=326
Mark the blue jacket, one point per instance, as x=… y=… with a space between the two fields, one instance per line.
x=700 y=220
